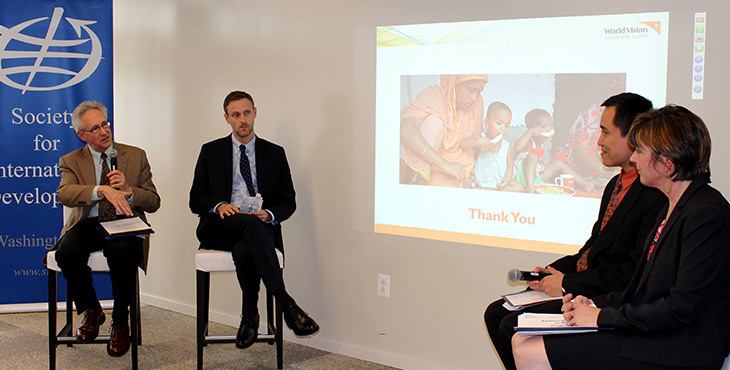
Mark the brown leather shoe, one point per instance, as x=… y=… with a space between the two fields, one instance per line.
x=90 y=324
x=119 y=342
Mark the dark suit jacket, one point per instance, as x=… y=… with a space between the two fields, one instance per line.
x=78 y=179
x=615 y=251
x=213 y=181
x=676 y=308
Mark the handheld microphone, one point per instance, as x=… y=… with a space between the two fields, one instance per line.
x=113 y=158
x=517 y=275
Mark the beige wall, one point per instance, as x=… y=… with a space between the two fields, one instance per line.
x=310 y=67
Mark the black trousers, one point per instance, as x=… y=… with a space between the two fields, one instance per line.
x=252 y=243
x=123 y=256
x=500 y=326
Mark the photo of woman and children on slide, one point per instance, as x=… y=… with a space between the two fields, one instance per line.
x=519 y=133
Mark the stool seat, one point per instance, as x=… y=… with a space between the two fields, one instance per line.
x=97 y=262
x=214 y=261
x=209 y=260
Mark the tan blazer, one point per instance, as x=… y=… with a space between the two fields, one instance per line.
x=78 y=179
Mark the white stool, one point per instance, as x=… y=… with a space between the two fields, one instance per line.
x=97 y=262
x=207 y=261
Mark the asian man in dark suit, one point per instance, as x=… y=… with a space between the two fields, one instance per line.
x=230 y=171
x=96 y=191
x=608 y=259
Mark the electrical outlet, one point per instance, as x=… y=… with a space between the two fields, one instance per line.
x=384 y=285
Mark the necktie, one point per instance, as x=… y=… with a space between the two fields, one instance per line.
x=106 y=209
x=246 y=171
x=615 y=196
x=582 y=264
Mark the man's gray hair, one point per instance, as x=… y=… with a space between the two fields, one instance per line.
x=82 y=108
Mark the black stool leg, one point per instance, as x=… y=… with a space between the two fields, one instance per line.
x=279 y=336
x=134 y=322
x=202 y=310
x=270 y=318
x=52 y=309
x=69 y=315
x=139 y=314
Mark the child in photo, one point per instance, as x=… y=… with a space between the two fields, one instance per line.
x=494 y=168
x=530 y=150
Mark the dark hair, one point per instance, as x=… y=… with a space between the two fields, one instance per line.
x=677 y=134
x=496 y=106
x=236 y=95
x=533 y=117
x=627 y=105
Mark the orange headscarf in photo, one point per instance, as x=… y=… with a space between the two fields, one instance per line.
x=440 y=102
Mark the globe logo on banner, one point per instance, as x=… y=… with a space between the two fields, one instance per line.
x=32 y=59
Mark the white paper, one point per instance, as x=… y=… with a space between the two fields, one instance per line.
x=510 y=307
x=528 y=298
x=251 y=204
x=124 y=225
x=530 y=323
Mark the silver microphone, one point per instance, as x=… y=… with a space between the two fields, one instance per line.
x=113 y=158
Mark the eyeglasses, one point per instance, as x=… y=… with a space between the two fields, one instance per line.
x=95 y=130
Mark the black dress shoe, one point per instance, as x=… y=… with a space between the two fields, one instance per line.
x=90 y=324
x=247 y=332
x=119 y=340
x=298 y=321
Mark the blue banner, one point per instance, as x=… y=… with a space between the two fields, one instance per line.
x=53 y=55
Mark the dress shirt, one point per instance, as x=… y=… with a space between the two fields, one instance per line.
x=239 y=189
x=627 y=178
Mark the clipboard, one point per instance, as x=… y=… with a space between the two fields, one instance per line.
x=123 y=227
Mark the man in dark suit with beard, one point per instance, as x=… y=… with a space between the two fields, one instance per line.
x=229 y=172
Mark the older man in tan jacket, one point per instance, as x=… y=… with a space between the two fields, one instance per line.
x=101 y=186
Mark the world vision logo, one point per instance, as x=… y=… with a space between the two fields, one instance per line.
x=633 y=32
x=32 y=59
x=655 y=25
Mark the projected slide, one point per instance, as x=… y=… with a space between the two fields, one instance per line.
x=486 y=132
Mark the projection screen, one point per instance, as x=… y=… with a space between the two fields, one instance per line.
x=562 y=67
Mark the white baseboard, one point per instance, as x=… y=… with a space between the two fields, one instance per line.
x=367 y=354
x=167 y=304
x=41 y=307
x=189 y=310
x=386 y=358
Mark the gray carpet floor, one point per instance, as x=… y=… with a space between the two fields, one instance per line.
x=168 y=340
